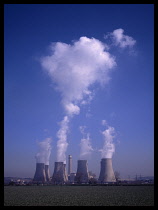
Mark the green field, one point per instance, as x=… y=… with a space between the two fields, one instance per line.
x=78 y=196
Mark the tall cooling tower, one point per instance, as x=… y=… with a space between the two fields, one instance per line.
x=59 y=175
x=82 y=175
x=65 y=173
x=47 y=173
x=40 y=175
x=106 y=171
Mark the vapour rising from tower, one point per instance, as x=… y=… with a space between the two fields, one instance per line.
x=106 y=169
x=62 y=142
x=74 y=69
x=44 y=151
x=42 y=161
x=85 y=144
x=108 y=135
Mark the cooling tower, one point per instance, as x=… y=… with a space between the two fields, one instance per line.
x=69 y=165
x=47 y=173
x=65 y=173
x=106 y=171
x=82 y=175
x=59 y=175
x=40 y=175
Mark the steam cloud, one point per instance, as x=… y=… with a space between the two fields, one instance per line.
x=75 y=68
x=122 y=40
x=44 y=151
x=85 y=144
x=119 y=39
x=108 y=147
x=62 y=142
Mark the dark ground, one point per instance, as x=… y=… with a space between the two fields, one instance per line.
x=79 y=196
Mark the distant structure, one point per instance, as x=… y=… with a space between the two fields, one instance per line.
x=40 y=175
x=59 y=175
x=47 y=173
x=69 y=164
x=82 y=175
x=106 y=171
x=72 y=178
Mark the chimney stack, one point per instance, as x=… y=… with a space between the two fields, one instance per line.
x=69 y=165
x=82 y=175
x=106 y=171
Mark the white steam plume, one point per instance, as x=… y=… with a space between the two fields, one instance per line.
x=82 y=130
x=85 y=147
x=108 y=147
x=44 y=151
x=62 y=142
x=74 y=68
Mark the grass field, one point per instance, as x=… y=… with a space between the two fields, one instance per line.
x=78 y=196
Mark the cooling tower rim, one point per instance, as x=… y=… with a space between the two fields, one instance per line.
x=40 y=163
x=106 y=159
x=82 y=160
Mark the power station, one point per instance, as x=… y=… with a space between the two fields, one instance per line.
x=60 y=175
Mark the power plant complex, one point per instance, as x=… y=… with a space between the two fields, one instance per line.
x=82 y=176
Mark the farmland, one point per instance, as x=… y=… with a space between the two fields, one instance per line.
x=79 y=196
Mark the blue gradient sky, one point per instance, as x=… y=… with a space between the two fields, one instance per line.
x=32 y=107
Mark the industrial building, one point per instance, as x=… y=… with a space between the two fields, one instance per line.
x=60 y=175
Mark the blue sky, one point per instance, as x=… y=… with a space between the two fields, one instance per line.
x=33 y=107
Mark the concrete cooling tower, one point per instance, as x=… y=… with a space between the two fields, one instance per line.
x=59 y=175
x=65 y=173
x=40 y=175
x=82 y=175
x=106 y=171
x=47 y=173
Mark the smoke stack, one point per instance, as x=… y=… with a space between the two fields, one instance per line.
x=82 y=175
x=40 y=175
x=106 y=172
x=47 y=173
x=59 y=175
x=70 y=165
